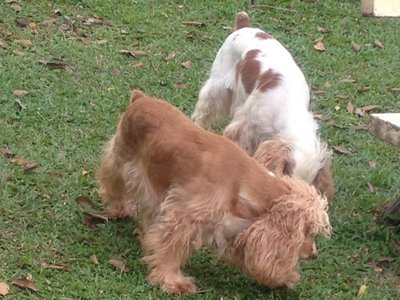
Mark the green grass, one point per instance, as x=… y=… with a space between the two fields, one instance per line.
x=71 y=113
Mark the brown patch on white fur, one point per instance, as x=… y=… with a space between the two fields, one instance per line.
x=248 y=70
x=324 y=180
x=192 y=187
x=242 y=20
x=268 y=80
x=263 y=35
x=275 y=155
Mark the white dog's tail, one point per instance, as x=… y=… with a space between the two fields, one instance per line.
x=242 y=20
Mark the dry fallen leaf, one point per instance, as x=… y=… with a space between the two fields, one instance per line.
x=45 y=265
x=170 y=56
x=378 y=44
x=18 y=53
x=371 y=187
x=347 y=80
x=350 y=107
x=342 y=150
x=368 y=108
x=138 y=65
x=21 y=104
x=362 y=290
x=372 y=164
x=316 y=91
x=359 y=127
x=364 y=89
x=53 y=65
x=317 y=117
x=320 y=46
x=21 y=22
x=4 y=289
x=84 y=200
x=180 y=85
x=396 y=246
x=342 y=96
x=6 y=152
x=356 y=47
x=117 y=72
x=395 y=89
x=93 y=259
x=24 y=43
x=193 y=23
x=19 y=93
x=186 y=64
x=365 y=109
x=25 y=164
x=32 y=26
x=85 y=172
x=321 y=29
x=119 y=265
x=101 y=42
x=16 y=7
x=3 y=44
x=132 y=53
x=25 y=283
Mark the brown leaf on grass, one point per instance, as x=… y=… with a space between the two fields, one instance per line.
x=32 y=26
x=130 y=53
x=45 y=265
x=138 y=65
x=117 y=72
x=317 y=117
x=347 y=80
x=371 y=187
x=84 y=200
x=85 y=172
x=364 y=89
x=57 y=12
x=180 y=85
x=93 y=259
x=95 y=21
x=119 y=265
x=4 y=289
x=378 y=44
x=18 y=53
x=372 y=164
x=25 y=283
x=22 y=22
x=361 y=111
x=316 y=91
x=327 y=84
x=53 y=65
x=24 y=43
x=342 y=96
x=362 y=290
x=5 y=32
x=101 y=42
x=350 y=107
x=342 y=150
x=25 y=164
x=21 y=104
x=356 y=47
x=395 y=89
x=170 y=56
x=16 y=7
x=321 y=29
x=193 y=23
x=320 y=46
x=49 y=22
x=3 y=45
x=396 y=245
x=19 y=93
x=186 y=64
x=359 y=127
x=6 y=153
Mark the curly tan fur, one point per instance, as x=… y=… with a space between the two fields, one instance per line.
x=192 y=188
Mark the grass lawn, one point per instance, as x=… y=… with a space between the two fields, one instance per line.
x=72 y=105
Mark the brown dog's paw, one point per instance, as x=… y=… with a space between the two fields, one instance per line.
x=183 y=286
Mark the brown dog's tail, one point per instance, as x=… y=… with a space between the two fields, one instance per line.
x=242 y=20
x=136 y=94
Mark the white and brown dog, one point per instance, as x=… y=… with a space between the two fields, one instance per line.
x=193 y=188
x=256 y=82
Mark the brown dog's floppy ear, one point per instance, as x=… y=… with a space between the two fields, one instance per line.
x=136 y=94
x=271 y=245
x=276 y=156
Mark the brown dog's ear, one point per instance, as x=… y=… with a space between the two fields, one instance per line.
x=136 y=94
x=272 y=245
x=323 y=182
x=276 y=156
x=242 y=20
